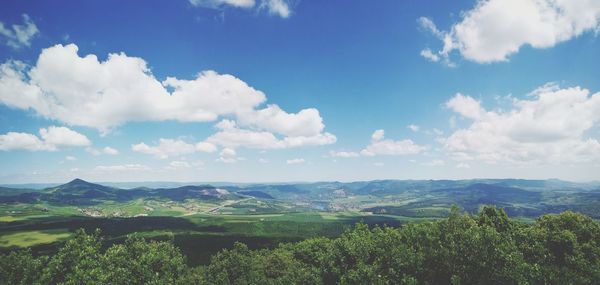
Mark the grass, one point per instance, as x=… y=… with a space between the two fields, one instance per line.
x=30 y=238
x=8 y=219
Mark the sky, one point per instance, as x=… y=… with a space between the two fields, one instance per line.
x=291 y=90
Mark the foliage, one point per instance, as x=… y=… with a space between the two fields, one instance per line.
x=487 y=248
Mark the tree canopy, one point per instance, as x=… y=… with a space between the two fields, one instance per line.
x=487 y=248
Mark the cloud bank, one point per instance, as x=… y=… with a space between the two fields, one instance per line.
x=549 y=127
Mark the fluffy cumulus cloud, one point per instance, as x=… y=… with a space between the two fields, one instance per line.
x=62 y=136
x=466 y=106
x=550 y=126
x=50 y=139
x=279 y=8
x=18 y=36
x=381 y=146
x=170 y=148
x=495 y=29
x=84 y=91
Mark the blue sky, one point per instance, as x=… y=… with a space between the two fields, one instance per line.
x=275 y=90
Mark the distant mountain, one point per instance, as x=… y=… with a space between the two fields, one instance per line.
x=82 y=187
x=425 y=198
x=81 y=192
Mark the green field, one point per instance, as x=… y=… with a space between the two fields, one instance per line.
x=31 y=238
x=199 y=235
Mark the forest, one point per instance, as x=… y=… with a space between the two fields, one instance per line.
x=483 y=248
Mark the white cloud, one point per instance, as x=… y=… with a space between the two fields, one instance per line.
x=428 y=54
x=263 y=160
x=22 y=141
x=230 y=135
x=413 y=127
x=429 y=25
x=295 y=161
x=20 y=35
x=228 y=155
x=465 y=106
x=171 y=147
x=110 y=151
x=51 y=139
x=307 y=122
x=233 y=137
x=70 y=158
x=495 y=29
x=343 y=154
x=381 y=146
x=277 y=7
x=62 y=136
x=377 y=135
x=549 y=127
x=319 y=139
x=105 y=94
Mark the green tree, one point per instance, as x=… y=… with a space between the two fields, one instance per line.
x=77 y=262
x=138 y=261
x=21 y=268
